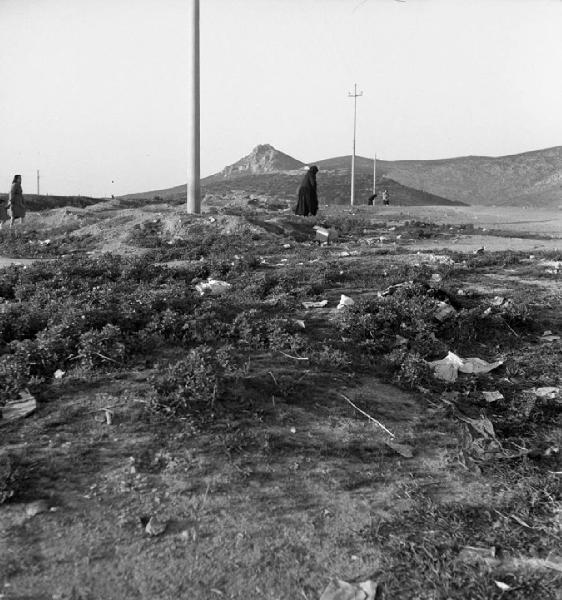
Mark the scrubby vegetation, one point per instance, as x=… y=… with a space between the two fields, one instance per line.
x=237 y=371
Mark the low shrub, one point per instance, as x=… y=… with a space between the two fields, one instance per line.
x=12 y=474
x=188 y=387
x=101 y=349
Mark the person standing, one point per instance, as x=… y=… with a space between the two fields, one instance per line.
x=16 y=202
x=385 y=198
x=3 y=212
x=308 y=195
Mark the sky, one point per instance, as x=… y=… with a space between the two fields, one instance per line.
x=95 y=92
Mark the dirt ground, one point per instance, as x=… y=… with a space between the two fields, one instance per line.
x=289 y=491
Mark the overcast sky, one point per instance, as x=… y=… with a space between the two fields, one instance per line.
x=95 y=91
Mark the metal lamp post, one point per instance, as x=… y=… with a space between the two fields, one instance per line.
x=194 y=143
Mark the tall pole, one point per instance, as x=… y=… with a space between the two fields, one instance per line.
x=193 y=146
x=355 y=95
x=375 y=175
x=38 y=182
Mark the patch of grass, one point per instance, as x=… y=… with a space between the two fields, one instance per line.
x=421 y=549
x=13 y=472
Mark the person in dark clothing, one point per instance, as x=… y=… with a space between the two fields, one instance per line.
x=371 y=200
x=308 y=197
x=16 y=203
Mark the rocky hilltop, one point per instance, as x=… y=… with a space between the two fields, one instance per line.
x=527 y=179
x=264 y=158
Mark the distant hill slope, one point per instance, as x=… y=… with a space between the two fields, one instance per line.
x=333 y=188
x=532 y=178
x=35 y=202
x=267 y=171
x=528 y=179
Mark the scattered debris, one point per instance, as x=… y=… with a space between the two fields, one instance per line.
x=444 y=311
x=18 y=408
x=548 y=336
x=213 y=287
x=479 y=251
x=552 y=562
x=404 y=450
x=59 y=374
x=345 y=301
x=439 y=259
x=393 y=288
x=378 y=423
x=293 y=430
x=492 y=396
x=401 y=341
x=436 y=278
x=449 y=367
x=107 y=416
x=338 y=589
x=326 y=235
x=547 y=393
x=319 y=304
x=473 y=554
x=503 y=586
x=483 y=425
x=155 y=526
x=293 y=357
x=300 y=323
x=36 y=507
x=286 y=246
x=542 y=451
x=553 y=266
x=497 y=301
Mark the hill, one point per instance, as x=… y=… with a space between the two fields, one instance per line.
x=528 y=179
x=42 y=202
x=333 y=188
x=264 y=158
x=267 y=171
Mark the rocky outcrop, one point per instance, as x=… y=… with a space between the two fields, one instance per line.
x=263 y=159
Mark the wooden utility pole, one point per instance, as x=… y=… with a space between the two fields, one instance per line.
x=38 y=182
x=193 y=146
x=355 y=95
x=374 y=176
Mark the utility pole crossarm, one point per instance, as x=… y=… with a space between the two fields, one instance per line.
x=354 y=95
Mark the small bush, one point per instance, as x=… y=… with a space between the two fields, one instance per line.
x=189 y=387
x=14 y=375
x=11 y=476
x=102 y=348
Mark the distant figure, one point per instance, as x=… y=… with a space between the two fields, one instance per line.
x=371 y=199
x=308 y=197
x=16 y=203
x=4 y=216
x=385 y=198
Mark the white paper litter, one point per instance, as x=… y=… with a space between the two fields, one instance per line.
x=213 y=287
x=449 y=367
x=319 y=304
x=345 y=301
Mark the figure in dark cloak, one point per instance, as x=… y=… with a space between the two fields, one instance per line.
x=16 y=203
x=308 y=198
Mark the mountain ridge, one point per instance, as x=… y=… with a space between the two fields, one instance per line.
x=532 y=178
